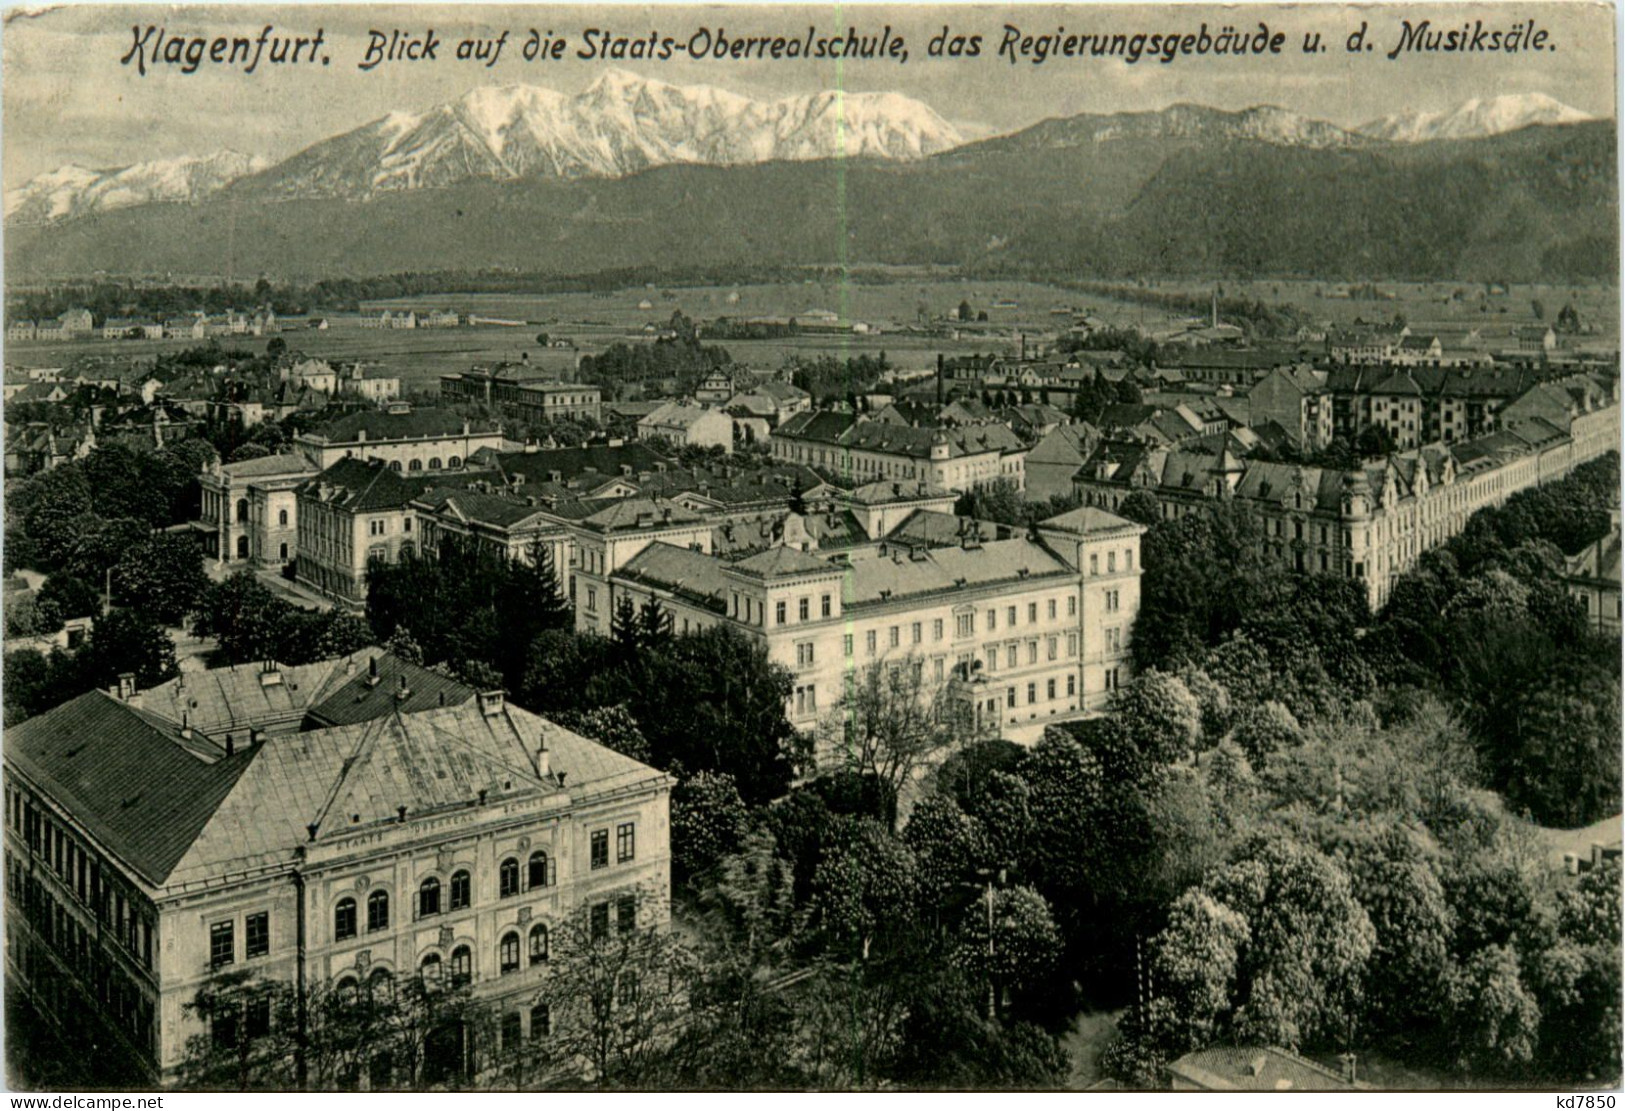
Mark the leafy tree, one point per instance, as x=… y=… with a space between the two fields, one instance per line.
x=1495 y=1018
x=611 y=726
x=162 y=576
x=708 y=822
x=1011 y=941
x=948 y=846
x=247 y=1039
x=1264 y=729
x=1161 y=715
x=1142 y=507
x=125 y=641
x=615 y=996
x=402 y=645
x=864 y=874
x=888 y=721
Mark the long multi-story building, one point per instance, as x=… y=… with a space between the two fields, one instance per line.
x=144 y=858
x=958 y=458
x=523 y=394
x=1029 y=626
x=1372 y=523
x=406 y=439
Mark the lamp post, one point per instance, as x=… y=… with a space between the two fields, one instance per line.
x=988 y=875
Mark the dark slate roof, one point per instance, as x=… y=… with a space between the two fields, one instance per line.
x=370 y=485
x=124 y=776
x=782 y=561
x=688 y=574
x=375 y=690
x=416 y=424
x=570 y=463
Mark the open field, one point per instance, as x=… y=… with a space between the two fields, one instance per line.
x=593 y=321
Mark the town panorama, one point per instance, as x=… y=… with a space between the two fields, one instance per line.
x=935 y=549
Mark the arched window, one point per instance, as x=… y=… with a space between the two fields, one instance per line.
x=378 y=911
x=429 y=897
x=282 y=552
x=346 y=987
x=381 y=983
x=429 y=969
x=508 y=878
x=459 y=890
x=282 y=517
x=344 y=919
x=242 y=547
x=242 y=511
x=395 y=465
x=462 y=966
x=508 y=954
x=454 y=462
x=415 y=465
x=434 y=463
x=538 y=869
x=538 y=943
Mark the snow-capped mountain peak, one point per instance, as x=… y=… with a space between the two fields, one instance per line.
x=621 y=123
x=77 y=191
x=1475 y=118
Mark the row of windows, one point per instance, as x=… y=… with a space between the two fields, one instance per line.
x=1049 y=691
x=223 y=939
x=82 y=874
x=1012 y=652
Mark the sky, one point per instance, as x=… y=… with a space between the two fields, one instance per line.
x=67 y=98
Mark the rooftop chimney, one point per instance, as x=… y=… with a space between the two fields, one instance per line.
x=372 y=671
x=126 y=685
x=186 y=725
x=491 y=703
x=231 y=747
x=403 y=692
x=400 y=813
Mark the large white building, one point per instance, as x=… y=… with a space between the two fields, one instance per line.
x=144 y=857
x=1031 y=625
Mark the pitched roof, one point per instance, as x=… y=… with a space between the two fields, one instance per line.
x=248 y=696
x=371 y=486
x=782 y=561
x=376 y=689
x=681 y=571
x=284 y=464
x=123 y=775
x=539 y=466
x=178 y=812
x=1089 y=519
x=875 y=578
x=414 y=424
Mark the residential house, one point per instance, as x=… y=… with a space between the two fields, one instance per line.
x=685 y=425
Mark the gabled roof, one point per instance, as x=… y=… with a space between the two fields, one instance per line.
x=874 y=578
x=238 y=698
x=371 y=486
x=634 y=513
x=123 y=775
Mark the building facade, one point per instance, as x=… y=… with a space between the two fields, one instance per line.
x=250 y=510
x=144 y=858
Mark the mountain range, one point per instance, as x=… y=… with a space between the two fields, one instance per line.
x=639 y=174
x=1473 y=119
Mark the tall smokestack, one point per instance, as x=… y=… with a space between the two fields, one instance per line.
x=939 y=378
